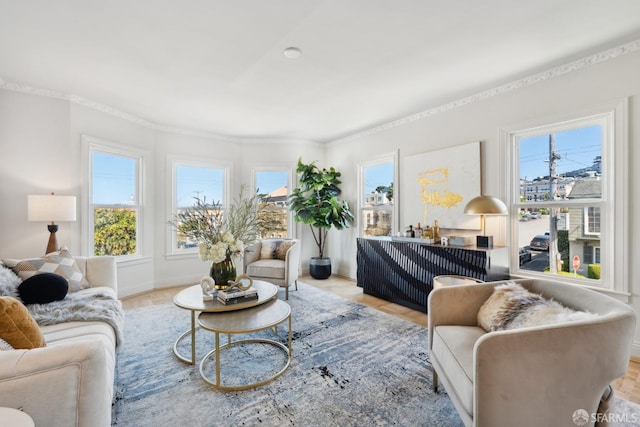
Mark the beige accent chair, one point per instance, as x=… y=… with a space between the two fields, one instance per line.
x=534 y=376
x=274 y=260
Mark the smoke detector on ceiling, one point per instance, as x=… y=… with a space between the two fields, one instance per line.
x=292 y=52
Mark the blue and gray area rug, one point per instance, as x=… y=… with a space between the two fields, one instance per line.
x=352 y=366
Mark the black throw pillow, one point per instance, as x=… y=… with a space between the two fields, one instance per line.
x=43 y=288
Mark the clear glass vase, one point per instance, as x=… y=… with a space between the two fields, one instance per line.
x=223 y=272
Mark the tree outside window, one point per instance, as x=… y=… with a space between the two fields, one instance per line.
x=115 y=203
x=273 y=192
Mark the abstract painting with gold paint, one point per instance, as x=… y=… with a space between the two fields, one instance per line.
x=437 y=185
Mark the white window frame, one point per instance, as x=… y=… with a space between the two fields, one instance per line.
x=91 y=145
x=275 y=167
x=613 y=205
x=586 y=216
x=173 y=162
x=381 y=159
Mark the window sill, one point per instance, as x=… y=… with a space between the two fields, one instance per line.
x=619 y=295
x=186 y=255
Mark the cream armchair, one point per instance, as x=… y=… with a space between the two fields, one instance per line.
x=274 y=260
x=533 y=376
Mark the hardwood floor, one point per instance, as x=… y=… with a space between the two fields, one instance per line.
x=627 y=387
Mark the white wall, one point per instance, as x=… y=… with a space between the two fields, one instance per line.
x=41 y=151
x=482 y=120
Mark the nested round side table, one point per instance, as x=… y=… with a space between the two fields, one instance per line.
x=191 y=299
x=258 y=318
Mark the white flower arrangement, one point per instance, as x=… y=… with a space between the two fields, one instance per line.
x=219 y=251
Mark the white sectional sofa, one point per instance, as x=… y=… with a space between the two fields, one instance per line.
x=70 y=381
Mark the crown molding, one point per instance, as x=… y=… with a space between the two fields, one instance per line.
x=281 y=141
x=106 y=109
x=561 y=70
x=558 y=71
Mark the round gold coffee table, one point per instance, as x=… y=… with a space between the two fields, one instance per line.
x=191 y=299
x=265 y=316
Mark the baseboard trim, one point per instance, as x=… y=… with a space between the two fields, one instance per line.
x=635 y=351
x=130 y=291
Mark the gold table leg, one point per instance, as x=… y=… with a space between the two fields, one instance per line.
x=192 y=331
x=218 y=358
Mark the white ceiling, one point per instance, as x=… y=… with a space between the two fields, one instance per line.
x=217 y=66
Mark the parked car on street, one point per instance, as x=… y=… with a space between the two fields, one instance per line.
x=540 y=242
x=525 y=255
x=536 y=215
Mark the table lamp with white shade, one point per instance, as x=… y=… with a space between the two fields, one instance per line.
x=485 y=205
x=51 y=208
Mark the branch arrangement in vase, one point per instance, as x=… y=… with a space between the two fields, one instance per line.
x=219 y=234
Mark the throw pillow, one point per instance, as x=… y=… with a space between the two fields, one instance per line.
x=60 y=262
x=511 y=306
x=268 y=249
x=17 y=327
x=275 y=248
x=282 y=248
x=43 y=288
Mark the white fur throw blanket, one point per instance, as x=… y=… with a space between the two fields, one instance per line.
x=87 y=305
x=93 y=304
x=511 y=306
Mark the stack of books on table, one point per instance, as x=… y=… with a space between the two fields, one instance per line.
x=235 y=296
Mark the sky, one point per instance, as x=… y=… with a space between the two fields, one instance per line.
x=204 y=183
x=577 y=149
x=114 y=181
x=377 y=175
x=267 y=181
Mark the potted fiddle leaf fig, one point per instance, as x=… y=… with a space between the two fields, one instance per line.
x=315 y=202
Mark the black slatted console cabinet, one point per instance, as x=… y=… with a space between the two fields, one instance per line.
x=402 y=271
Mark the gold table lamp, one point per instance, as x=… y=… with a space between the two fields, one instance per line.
x=485 y=205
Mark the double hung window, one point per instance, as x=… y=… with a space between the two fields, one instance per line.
x=567 y=198
x=192 y=180
x=376 y=201
x=114 y=213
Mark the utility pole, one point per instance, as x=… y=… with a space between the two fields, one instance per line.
x=554 y=258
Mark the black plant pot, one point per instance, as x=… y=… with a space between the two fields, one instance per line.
x=320 y=268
